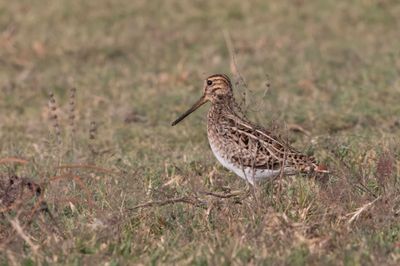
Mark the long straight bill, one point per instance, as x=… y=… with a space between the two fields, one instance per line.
x=199 y=103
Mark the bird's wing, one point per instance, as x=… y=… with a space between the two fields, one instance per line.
x=253 y=146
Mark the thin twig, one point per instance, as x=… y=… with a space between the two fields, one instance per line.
x=13 y=160
x=222 y=196
x=158 y=203
x=235 y=70
x=360 y=210
x=231 y=50
x=358 y=185
x=17 y=227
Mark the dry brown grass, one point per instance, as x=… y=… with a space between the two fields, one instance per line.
x=120 y=186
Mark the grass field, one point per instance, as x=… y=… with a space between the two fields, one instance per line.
x=329 y=68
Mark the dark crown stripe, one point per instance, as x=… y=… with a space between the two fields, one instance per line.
x=223 y=77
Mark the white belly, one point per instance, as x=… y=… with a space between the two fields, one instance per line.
x=247 y=173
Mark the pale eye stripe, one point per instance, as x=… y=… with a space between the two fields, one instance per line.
x=219 y=84
x=220 y=80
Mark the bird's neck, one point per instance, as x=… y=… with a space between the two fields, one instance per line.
x=222 y=108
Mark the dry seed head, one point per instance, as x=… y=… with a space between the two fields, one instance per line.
x=54 y=117
x=92 y=130
x=72 y=97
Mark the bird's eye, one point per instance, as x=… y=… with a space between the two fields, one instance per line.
x=209 y=82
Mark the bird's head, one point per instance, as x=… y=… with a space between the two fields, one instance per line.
x=217 y=88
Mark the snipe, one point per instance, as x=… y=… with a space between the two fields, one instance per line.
x=250 y=151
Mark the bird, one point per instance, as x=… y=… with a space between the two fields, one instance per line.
x=252 y=152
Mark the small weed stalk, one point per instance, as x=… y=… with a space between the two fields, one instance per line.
x=54 y=118
x=384 y=169
x=55 y=123
x=71 y=117
x=92 y=137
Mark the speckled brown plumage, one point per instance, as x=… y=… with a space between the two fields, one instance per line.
x=241 y=145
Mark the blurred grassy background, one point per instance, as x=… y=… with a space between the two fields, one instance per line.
x=333 y=68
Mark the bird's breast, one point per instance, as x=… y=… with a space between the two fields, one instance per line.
x=221 y=152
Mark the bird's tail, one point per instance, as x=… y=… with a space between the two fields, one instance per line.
x=315 y=168
x=319 y=168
